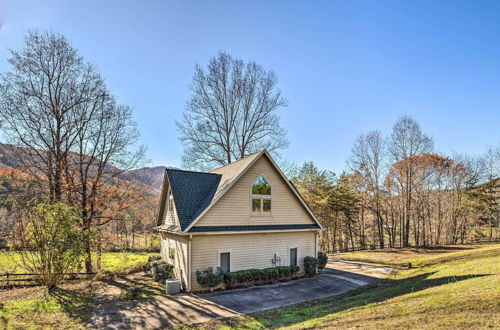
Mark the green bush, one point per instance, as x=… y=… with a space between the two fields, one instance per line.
x=147 y=266
x=162 y=270
x=322 y=260
x=310 y=266
x=51 y=241
x=209 y=277
x=249 y=277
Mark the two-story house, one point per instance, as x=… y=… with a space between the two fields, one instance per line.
x=240 y=216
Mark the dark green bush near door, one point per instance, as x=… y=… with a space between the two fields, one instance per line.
x=249 y=277
x=209 y=278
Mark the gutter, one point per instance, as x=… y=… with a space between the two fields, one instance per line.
x=239 y=232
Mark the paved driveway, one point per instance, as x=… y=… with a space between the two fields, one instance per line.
x=168 y=311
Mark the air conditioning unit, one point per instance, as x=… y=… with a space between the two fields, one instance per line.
x=173 y=286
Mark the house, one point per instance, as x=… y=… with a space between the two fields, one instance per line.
x=243 y=215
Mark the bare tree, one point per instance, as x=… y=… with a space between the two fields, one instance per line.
x=407 y=140
x=71 y=134
x=367 y=156
x=41 y=103
x=231 y=113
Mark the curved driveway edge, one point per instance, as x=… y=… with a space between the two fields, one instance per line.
x=167 y=311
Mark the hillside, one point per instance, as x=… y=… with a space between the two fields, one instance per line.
x=152 y=177
x=454 y=288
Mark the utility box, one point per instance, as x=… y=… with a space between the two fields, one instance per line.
x=173 y=286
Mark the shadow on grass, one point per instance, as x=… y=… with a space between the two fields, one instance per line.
x=423 y=249
x=378 y=292
x=75 y=303
x=136 y=289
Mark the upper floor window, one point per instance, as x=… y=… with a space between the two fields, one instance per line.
x=261 y=196
x=170 y=202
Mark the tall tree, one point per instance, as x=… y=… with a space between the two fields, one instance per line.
x=407 y=140
x=72 y=135
x=232 y=113
x=367 y=157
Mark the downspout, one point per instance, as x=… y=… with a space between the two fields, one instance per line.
x=316 y=244
x=189 y=264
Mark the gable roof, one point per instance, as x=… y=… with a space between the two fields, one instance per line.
x=195 y=193
x=192 y=193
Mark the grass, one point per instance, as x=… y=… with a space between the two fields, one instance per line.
x=33 y=308
x=115 y=263
x=416 y=256
x=451 y=289
x=70 y=306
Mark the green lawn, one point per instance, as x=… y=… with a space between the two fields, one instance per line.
x=70 y=306
x=451 y=289
x=112 y=262
x=33 y=308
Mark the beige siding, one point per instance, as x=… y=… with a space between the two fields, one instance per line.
x=170 y=216
x=234 y=207
x=249 y=250
x=180 y=260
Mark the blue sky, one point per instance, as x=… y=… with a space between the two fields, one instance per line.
x=346 y=67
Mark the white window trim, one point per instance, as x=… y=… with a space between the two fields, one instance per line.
x=230 y=258
x=289 y=252
x=261 y=197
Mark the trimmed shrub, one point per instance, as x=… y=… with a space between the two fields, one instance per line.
x=249 y=277
x=322 y=260
x=209 y=277
x=310 y=266
x=161 y=270
x=147 y=266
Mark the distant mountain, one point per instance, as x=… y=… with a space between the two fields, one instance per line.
x=7 y=156
x=149 y=176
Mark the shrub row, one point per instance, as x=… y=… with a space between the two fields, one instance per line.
x=249 y=277
x=210 y=277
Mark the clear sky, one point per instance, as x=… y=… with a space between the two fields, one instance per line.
x=346 y=67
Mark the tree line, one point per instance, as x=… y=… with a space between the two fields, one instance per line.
x=399 y=192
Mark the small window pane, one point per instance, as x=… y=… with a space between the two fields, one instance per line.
x=261 y=187
x=225 y=262
x=256 y=206
x=293 y=257
x=266 y=206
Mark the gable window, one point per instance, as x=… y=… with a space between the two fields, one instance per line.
x=261 y=197
x=225 y=262
x=170 y=202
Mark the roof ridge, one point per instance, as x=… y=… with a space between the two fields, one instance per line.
x=190 y=171
x=253 y=153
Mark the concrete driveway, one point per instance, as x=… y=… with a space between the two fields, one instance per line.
x=168 y=311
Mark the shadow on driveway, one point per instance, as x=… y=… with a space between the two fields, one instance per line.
x=167 y=311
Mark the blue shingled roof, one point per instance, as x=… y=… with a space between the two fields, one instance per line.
x=193 y=192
